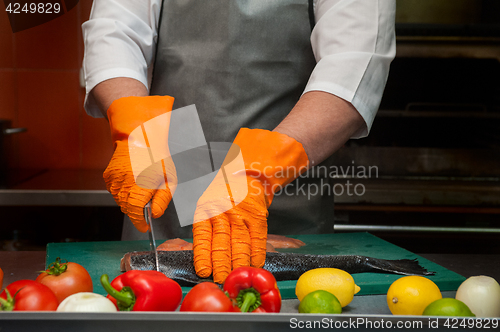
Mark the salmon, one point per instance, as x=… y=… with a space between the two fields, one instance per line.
x=283 y=242
x=270 y=247
x=178 y=265
x=175 y=245
x=273 y=242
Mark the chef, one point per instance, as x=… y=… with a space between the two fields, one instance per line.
x=287 y=81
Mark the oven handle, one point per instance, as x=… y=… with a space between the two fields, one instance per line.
x=10 y=131
x=436 y=106
x=387 y=228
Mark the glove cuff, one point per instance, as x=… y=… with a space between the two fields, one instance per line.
x=275 y=159
x=127 y=113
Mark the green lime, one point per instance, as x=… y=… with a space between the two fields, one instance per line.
x=320 y=302
x=448 y=307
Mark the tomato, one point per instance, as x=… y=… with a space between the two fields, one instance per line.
x=66 y=279
x=1 y=278
x=28 y=295
x=207 y=296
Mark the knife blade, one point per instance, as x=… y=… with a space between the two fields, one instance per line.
x=152 y=242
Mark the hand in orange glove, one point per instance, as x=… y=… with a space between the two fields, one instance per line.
x=141 y=168
x=230 y=222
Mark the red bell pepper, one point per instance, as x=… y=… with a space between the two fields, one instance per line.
x=143 y=291
x=253 y=290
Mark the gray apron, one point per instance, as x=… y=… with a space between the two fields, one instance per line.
x=243 y=63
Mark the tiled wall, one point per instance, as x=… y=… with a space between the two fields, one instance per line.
x=40 y=90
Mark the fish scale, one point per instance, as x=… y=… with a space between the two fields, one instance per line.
x=178 y=265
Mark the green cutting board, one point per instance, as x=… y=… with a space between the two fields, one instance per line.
x=104 y=258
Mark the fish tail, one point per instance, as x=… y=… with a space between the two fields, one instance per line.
x=400 y=266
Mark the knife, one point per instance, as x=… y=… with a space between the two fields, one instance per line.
x=152 y=242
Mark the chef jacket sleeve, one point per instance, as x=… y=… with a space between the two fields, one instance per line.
x=353 y=43
x=120 y=39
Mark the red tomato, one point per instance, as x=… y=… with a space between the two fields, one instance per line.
x=206 y=296
x=1 y=278
x=28 y=295
x=65 y=279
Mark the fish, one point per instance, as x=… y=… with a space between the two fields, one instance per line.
x=270 y=247
x=178 y=265
x=180 y=244
x=273 y=242
x=175 y=245
x=281 y=242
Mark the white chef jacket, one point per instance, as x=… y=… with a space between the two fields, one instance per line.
x=353 y=42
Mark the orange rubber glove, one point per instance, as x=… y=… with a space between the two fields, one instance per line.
x=132 y=135
x=230 y=222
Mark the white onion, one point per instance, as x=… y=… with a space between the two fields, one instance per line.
x=86 y=302
x=482 y=295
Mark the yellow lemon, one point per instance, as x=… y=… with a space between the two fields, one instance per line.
x=336 y=281
x=411 y=295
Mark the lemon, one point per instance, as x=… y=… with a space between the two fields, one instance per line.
x=320 y=302
x=411 y=295
x=336 y=281
x=448 y=307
